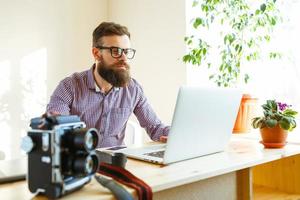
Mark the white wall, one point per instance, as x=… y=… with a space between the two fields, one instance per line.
x=157 y=31
x=41 y=42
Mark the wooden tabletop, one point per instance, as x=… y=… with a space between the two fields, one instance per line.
x=241 y=153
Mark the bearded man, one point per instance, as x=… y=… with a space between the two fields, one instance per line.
x=105 y=95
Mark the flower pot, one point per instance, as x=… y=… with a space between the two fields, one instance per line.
x=247 y=111
x=273 y=137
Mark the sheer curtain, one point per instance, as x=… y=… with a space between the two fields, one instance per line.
x=269 y=79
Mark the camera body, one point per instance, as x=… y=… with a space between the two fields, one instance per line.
x=61 y=156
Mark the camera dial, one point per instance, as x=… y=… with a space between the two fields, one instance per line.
x=27 y=144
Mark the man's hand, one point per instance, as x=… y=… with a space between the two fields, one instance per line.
x=47 y=114
x=51 y=113
x=163 y=139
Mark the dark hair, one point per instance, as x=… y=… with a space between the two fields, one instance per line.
x=108 y=29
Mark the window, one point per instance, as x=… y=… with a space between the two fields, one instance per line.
x=22 y=97
x=269 y=79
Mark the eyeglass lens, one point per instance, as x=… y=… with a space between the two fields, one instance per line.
x=117 y=52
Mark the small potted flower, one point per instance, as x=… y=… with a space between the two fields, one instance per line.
x=278 y=118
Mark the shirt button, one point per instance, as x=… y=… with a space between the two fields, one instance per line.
x=119 y=135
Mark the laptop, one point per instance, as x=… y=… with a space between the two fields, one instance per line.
x=202 y=124
x=13 y=170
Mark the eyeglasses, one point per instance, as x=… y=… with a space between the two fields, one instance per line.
x=117 y=52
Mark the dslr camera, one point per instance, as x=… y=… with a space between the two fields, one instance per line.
x=61 y=155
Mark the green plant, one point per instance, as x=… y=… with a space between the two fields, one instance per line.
x=276 y=113
x=243 y=27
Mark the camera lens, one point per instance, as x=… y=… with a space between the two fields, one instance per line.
x=89 y=165
x=89 y=140
x=85 y=139
x=85 y=164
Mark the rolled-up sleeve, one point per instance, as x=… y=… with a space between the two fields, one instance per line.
x=148 y=119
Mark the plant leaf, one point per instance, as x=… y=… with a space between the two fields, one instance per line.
x=271 y=123
x=257 y=122
x=263 y=7
x=290 y=112
x=284 y=124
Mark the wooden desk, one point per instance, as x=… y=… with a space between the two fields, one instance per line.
x=225 y=175
x=279 y=179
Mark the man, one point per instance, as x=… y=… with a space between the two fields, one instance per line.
x=105 y=95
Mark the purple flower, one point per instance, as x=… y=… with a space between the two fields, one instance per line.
x=282 y=106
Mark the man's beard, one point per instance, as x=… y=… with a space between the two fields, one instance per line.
x=113 y=74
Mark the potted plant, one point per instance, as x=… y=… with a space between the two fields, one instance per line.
x=277 y=120
x=240 y=29
x=227 y=34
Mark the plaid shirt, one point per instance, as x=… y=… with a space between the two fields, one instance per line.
x=79 y=95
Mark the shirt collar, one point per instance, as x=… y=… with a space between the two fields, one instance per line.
x=90 y=79
x=97 y=88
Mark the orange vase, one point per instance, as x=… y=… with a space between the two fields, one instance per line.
x=273 y=137
x=247 y=111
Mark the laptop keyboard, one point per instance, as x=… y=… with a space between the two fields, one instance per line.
x=159 y=154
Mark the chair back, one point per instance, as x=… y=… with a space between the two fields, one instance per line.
x=133 y=134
